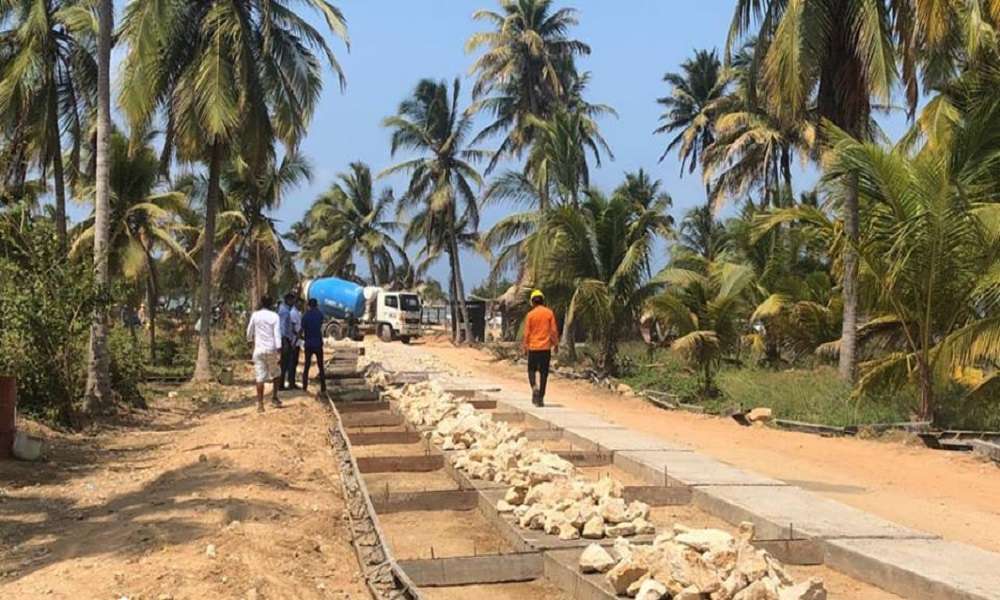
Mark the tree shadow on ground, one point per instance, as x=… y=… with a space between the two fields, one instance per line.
x=38 y=532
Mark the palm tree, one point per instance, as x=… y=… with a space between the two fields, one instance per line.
x=527 y=70
x=248 y=235
x=557 y=161
x=228 y=75
x=141 y=222
x=441 y=178
x=600 y=252
x=929 y=246
x=48 y=77
x=704 y=308
x=845 y=61
x=701 y=235
x=348 y=219
x=689 y=109
x=98 y=391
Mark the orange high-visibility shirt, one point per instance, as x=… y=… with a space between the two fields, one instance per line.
x=540 y=331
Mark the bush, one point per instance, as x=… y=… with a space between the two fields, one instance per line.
x=127 y=366
x=45 y=307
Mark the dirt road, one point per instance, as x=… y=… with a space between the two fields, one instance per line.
x=949 y=494
x=198 y=497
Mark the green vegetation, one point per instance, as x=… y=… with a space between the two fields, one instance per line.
x=888 y=266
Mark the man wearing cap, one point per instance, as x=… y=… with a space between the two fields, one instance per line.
x=541 y=335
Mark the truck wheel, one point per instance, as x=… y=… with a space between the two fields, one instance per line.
x=385 y=333
x=335 y=331
x=405 y=339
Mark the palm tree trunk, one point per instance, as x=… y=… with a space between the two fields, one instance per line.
x=848 y=334
x=258 y=275
x=203 y=365
x=98 y=390
x=460 y=289
x=567 y=344
x=152 y=297
x=58 y=177
x=926 y=390
x=786 y=170
x=374 y=272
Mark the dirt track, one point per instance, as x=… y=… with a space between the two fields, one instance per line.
x=949 y=494
x=131 y=512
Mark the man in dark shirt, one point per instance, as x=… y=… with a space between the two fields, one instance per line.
x=312 y=332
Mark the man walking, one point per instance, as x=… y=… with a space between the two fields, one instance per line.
x=264 y=331
x=285 y=320
x=312 y=332
x=541 y=335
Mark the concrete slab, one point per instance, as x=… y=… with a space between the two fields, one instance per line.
x=790 y=512
x=919 y=569
x=563 y=418
x=617 y=439
x=686 y=468
x=561 y=568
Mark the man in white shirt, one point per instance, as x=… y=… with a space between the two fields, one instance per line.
x=264 y=330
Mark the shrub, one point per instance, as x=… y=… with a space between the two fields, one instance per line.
x=127 y=366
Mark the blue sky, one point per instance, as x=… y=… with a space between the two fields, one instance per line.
x=394 y=43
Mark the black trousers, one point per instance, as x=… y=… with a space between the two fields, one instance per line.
x=289 y=362
x=318 y=353
x=538 y=363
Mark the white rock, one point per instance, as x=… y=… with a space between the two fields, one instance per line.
x=643 y=527
x=612 y=510
x=704 y=540
x=625 y=529
x=651 y=589
x=762 y=414
x=210 y=551
x=504 y=507
x=762 y=589
x=593 y=529
x=637 y=510
x=595 y=559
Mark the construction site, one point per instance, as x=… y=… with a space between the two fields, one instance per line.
x=458 y=487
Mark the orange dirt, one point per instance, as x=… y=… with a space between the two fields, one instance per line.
x=950 y=494
x=132 y=510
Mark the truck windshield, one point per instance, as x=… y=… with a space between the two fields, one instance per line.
x=409 y=302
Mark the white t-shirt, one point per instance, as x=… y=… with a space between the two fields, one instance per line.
x=264 y=330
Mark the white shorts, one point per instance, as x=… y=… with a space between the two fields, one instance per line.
x=265 y=367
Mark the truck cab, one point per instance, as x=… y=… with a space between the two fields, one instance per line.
x=398 y=316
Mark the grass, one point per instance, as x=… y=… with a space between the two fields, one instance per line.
x=811 y=395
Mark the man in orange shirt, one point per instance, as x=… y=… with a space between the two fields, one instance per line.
x=541 y=335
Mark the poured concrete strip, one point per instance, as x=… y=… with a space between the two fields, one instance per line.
x=377 y=438
x=366 y=419
x=581 y=458
x=345 y=408
x=787 y=511
x=508 y=417
x=538 y=435
x=985 y=449
x=686 y=468
x=793 y=552
x=425 y=501
x=471 y=570
x=400 y=464
x=919 y=569
x=658 y=495
x=618 y=439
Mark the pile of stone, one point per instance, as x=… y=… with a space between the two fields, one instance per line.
x=688 y=564
x=546 y=492
x=572 y=507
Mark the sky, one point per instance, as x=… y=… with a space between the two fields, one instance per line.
x=395 y=43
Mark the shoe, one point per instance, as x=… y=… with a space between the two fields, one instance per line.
x=276 y=403
x=536 y=399
x=260 y=408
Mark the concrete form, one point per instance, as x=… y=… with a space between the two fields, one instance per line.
x=467 y=570
x=400 y=464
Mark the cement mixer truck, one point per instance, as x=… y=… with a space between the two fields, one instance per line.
x=353 y=311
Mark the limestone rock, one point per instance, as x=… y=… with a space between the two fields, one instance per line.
x=633 y=588
x=595 y=559
x=622 y=549
x=651 y=589
x=593 y=529
x=504 y=507
x=762 y=589
x=613 y=510
x=760 y=414
x=637 y=510
x=807 y=590
x=704 y=540
x=515 y=496
x=625 y=573
x=568 y=532
x=643 y=527
x=625 y=529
